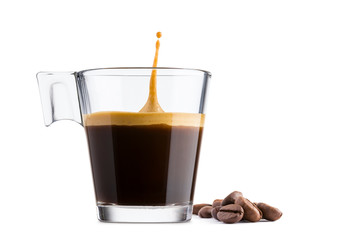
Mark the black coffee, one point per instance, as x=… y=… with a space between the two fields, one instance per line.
x=144 y=164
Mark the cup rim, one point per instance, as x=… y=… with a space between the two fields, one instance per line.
x=155 y=68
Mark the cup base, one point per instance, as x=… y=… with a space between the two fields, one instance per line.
x=144 y=214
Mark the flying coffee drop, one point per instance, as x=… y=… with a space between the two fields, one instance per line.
x=152 y=104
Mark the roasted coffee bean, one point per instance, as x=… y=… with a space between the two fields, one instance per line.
x=205 y=212
x=231 y=213
x=230 y=199
x=197 y=207
x=215 y=211
x=269 y=213
x=217 y=202
x=251 y=212
x=261 y=213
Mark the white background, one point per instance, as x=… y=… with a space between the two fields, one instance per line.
x=283 y=116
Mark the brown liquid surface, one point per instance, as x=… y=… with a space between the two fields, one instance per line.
x=144 y=164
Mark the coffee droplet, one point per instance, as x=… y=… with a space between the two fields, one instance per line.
x=152 y=104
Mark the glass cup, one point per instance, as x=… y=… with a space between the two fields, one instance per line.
x=143 y=164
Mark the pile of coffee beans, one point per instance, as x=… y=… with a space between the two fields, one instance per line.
x=235 y=208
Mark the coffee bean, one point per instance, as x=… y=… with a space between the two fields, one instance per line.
x=205 y=212
x=230 y=199
x=217 y=202
x=261 y=213
x=251 y=212
x=231 y=213
x=215 y=211
x=235 y=207
x=269 y=213
x=197 y=207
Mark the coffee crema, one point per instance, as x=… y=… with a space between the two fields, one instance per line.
x=144 y=118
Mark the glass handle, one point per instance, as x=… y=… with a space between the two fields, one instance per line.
x=59 y=97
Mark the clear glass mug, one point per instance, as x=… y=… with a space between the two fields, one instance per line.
x=143 y=164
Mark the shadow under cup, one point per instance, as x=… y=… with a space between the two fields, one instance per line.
x=143 y=164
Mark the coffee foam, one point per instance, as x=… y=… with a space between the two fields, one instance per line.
x=144 y=118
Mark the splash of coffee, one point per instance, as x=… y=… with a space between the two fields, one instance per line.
x=152 y=104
